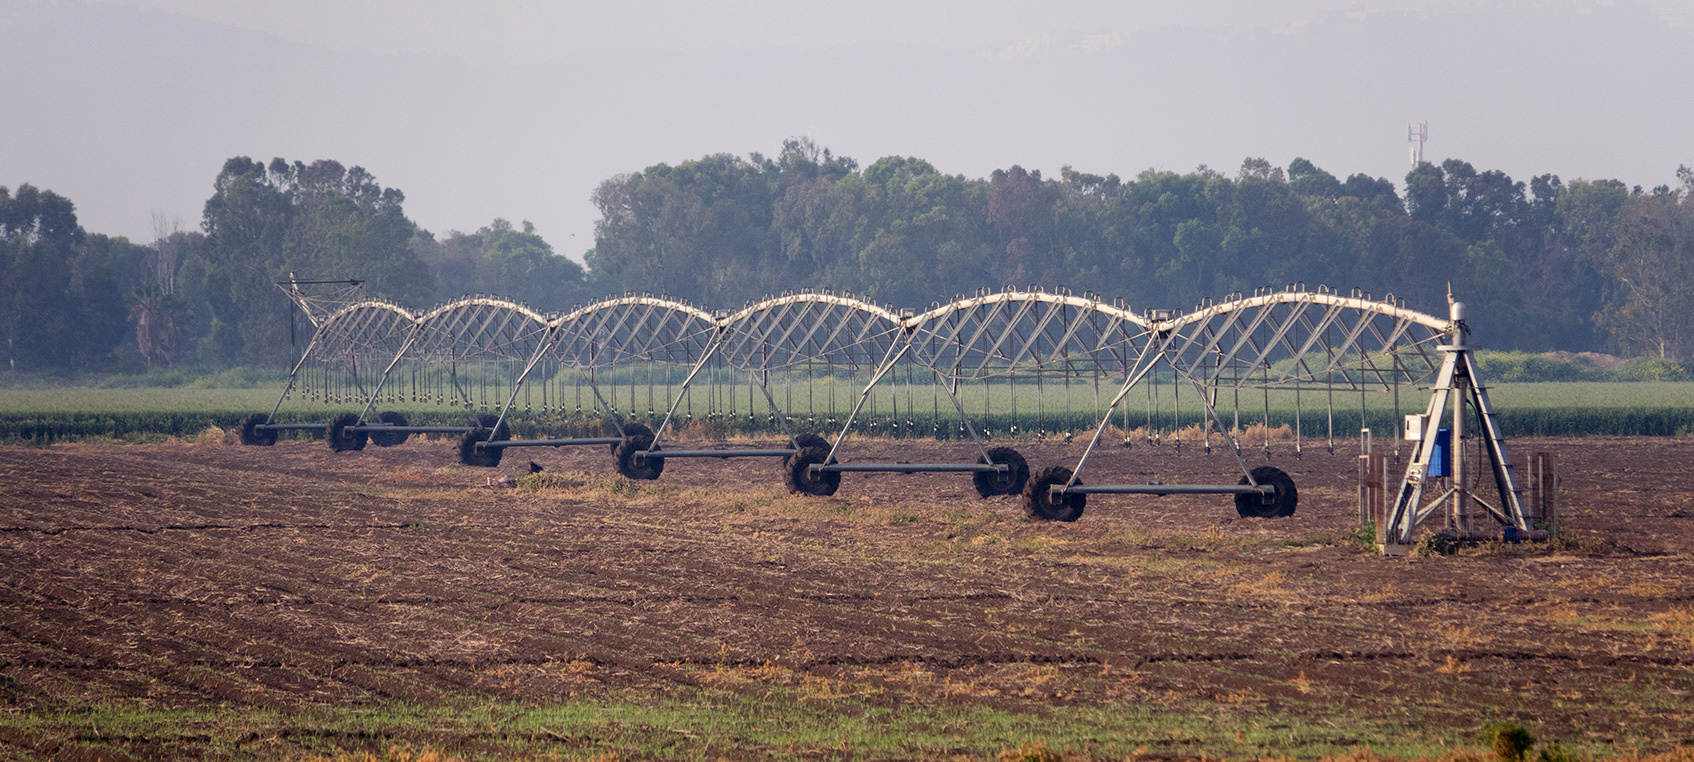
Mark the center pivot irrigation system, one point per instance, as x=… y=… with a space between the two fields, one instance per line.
x=973 y=357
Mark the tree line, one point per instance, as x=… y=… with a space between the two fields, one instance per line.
x=1579 y=266
x=208 y=297
x=1589 y=265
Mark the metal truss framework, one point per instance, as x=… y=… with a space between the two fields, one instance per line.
x=1294 y=339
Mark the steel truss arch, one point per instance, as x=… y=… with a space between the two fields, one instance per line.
x=633 y=329
x=1298 y=339
x=366 y=330
x=479 y=328
x=797 y=329
x=358 y=338
x=1028 y=334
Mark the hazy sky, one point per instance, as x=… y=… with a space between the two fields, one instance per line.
x=519 y=109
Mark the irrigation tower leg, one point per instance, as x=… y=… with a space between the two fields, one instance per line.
x=1144 y=364
x=1211 y=410
x=611 y=413
x=541 y=348
x=1408 y=510
x=293 y=375
x=1505 y=478
x=964 y=420
x=762 y=380
x=700 y=365
x=895 y=351
x=370 y=401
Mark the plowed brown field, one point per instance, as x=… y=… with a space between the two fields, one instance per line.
x=292 y=588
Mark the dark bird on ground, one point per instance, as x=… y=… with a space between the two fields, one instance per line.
x=534 y=467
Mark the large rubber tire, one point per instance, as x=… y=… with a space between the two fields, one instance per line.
x=251 y=434
x=1283 y=500
x=342 y=440
x=632 y=430
x=471 y=455
x=1039 y=499
x=804 y=441
x=1008 y=482
x=803 y=480
x=643 y=469
x=390 y=438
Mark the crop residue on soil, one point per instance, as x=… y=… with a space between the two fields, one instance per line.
x=291 y=577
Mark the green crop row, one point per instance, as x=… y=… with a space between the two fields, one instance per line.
x=1000 y=410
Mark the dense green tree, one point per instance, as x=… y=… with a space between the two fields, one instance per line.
x=933 y=240
x=1023 y=213
x=61 y=302
x=1094 y=231
x=346 y=225
x=1178 y=237
x=102 y=277
x=246 y=223
x=39 y=233
x=821 y=225
x=1650 y=306
x=700 y=230
x=163 y=318
x=505 y=260
x=316 y=221
x=1306 y=179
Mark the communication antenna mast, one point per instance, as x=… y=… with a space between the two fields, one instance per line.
x=1417 y=135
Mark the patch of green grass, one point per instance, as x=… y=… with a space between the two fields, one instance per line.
x=535 y=483
x=1035 y=543
x=967 y=523
x=711 y=723
x=1176 y=565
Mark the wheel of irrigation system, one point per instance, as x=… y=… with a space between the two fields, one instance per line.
x=338 y=436
x=805 y=441
x=481 y=457
x=389 y=438
x=1008 y=482
x=644 y=469
x=1039 y=498
x=1282 y=502
x=486 y=422
x=801 y=477
x=251 y=434
x=632 y=430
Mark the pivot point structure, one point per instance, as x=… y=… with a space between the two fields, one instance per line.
x=1458 y=386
